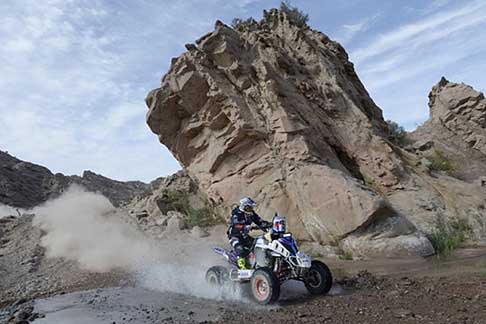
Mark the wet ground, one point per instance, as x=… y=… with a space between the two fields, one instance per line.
x=432 y=290
x=461 y=261
x=125 y=305
x=447 y=290
x=139 y=305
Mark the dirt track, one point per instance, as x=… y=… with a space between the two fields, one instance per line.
x=454 y=291
x=451 y=290
x=362 y=299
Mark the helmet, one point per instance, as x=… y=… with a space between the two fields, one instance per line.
x=278 y=225
x=247 y=205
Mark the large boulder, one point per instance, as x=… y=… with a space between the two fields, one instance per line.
x=276 y=111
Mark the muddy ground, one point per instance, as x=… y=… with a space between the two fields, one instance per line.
x=43 y=290
x=363 y=298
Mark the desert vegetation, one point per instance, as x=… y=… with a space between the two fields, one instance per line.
x=447 y=237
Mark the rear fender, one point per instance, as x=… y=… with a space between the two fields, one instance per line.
x=228 y=255
x=222 y=252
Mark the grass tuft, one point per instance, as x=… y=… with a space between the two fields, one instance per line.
x=341 y=253
x=440 y=162
x=448 y=237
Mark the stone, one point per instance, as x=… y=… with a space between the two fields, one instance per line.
x=425 y=163
x=198 y=232
x=291 y=126
x=175 y=222
x=482 y=181
x=190 y=47
x=423 y=145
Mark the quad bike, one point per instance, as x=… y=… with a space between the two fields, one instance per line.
x=270 y=263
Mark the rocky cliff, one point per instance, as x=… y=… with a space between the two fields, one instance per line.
x=24 y=184
x=276 y=111
x=457 y=126
x=446 y=182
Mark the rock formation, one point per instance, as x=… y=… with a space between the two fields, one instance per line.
x=24 y=184
x=277 y=112
x=171 y=204
x=457 y=126
x=448 y=163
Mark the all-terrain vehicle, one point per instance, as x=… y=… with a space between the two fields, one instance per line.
x=270 y=263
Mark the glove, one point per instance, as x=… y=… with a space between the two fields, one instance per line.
x=247 y=228
x=267 y=225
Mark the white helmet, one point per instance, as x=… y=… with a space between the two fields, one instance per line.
x=279 y=224
x=247 y=205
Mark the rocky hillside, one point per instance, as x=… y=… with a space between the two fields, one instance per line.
x=172 y=204
x=448 y=185
x=456 y=127
x=24 y=184
x=276 y=111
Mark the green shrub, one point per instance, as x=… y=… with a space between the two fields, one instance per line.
x=447 y=237
x=345 y=255
x=179 y=201
x=296 y=16
x=341 y=253
x=201 y=217
x=396 y=133
x=440 y=162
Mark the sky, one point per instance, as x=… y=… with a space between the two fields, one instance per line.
x=74 y=73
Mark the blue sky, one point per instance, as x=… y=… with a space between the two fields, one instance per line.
x=74 y=73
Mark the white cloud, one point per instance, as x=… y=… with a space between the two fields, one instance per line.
x=74 y=73
x=65 y=99
x=416 y=31
x=348 y=31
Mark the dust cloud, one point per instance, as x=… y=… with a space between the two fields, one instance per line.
x=85 y=227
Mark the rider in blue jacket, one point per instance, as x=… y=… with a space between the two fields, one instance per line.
x=242 y=218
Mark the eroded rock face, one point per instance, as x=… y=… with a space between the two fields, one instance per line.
x=172 y=204
x=460 y=109
x=278 y=113
x=457 y=127
x=453 y=136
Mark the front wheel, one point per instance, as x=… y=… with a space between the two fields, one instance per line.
x=319 y=278
x=265 y=287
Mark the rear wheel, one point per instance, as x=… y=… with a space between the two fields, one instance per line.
x=319 y=278
x=216 y=276
x=264 y=286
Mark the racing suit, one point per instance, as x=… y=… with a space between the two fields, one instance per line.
x=239 y=228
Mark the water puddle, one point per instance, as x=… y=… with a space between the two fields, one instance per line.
x=125 y=305
x=465 y=260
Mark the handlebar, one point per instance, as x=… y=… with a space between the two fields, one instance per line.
x=264 y=228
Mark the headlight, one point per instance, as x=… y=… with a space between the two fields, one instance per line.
x=304 y=260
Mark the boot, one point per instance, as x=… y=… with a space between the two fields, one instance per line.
x=241 y=263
